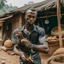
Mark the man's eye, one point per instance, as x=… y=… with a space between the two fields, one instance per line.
x=34 y=17
x=29 y=16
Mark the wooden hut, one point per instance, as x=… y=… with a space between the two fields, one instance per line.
x=45 y=9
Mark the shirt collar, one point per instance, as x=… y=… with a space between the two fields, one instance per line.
x=35 y=29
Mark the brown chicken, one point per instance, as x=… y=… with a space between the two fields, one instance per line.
x=24 y=45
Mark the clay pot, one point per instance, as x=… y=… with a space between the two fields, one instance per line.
x=8 y=43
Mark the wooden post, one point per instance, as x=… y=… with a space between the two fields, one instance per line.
x=59 y=23
x=1 y=28
x=20 y=21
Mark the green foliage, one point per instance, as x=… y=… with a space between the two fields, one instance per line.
x=4 y=8
x=2 y=3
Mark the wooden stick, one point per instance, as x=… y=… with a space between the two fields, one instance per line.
x=20 y=21
x=49 y=16
x=6 y=18
x=59 y=25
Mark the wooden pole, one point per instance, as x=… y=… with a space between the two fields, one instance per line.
x=49 y=16
x=59 y=23
x=1 y=29
x=20 y=21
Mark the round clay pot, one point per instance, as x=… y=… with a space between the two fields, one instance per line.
x=8 y=43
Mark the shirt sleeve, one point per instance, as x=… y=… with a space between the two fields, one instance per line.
x=42 y=36
x=14 y=37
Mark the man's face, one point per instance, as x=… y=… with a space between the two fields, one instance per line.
x=30 y=17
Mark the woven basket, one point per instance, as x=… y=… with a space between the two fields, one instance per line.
x=56 y=62
x=59 y=51
x=55 y=31
x=55 y=41
x=57 y=59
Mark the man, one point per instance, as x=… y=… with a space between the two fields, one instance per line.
x=35 y=34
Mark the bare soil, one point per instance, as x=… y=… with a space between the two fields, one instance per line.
x=9 y=59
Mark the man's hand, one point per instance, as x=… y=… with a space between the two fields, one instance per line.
x=26 y=59
x=23 y=57
x=30 y=59
x=21 y=54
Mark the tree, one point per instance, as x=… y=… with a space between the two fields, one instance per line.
x=2 y=3
x=5 y=8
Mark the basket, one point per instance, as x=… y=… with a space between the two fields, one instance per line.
x=55 y=31
x=59 y=51
x=57 y=59
x=54 y=42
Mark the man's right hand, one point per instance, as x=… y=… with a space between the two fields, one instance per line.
x=23 y=57
x=26 y=59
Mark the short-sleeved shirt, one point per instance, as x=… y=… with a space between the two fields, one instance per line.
x=36 y=36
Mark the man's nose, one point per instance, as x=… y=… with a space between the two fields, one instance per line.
x=31 y=18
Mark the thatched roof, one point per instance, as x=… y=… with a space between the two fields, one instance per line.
x=41 y=6
x=38 y=6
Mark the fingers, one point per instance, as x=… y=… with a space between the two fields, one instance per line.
x=30 y=59
x=27 y=59
x=24 y=58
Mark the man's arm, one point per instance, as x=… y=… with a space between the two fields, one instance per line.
x=20 y=53
x=43 y=46
x=17 y=51
x=15 y=40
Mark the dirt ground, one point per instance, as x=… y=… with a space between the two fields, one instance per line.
x=9 y=59
x=14 y=59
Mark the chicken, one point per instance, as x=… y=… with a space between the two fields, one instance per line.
x=24 y=45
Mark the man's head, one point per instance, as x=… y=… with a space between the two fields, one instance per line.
x=31 y=16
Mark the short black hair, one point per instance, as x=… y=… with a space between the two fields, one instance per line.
x=31 y=11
